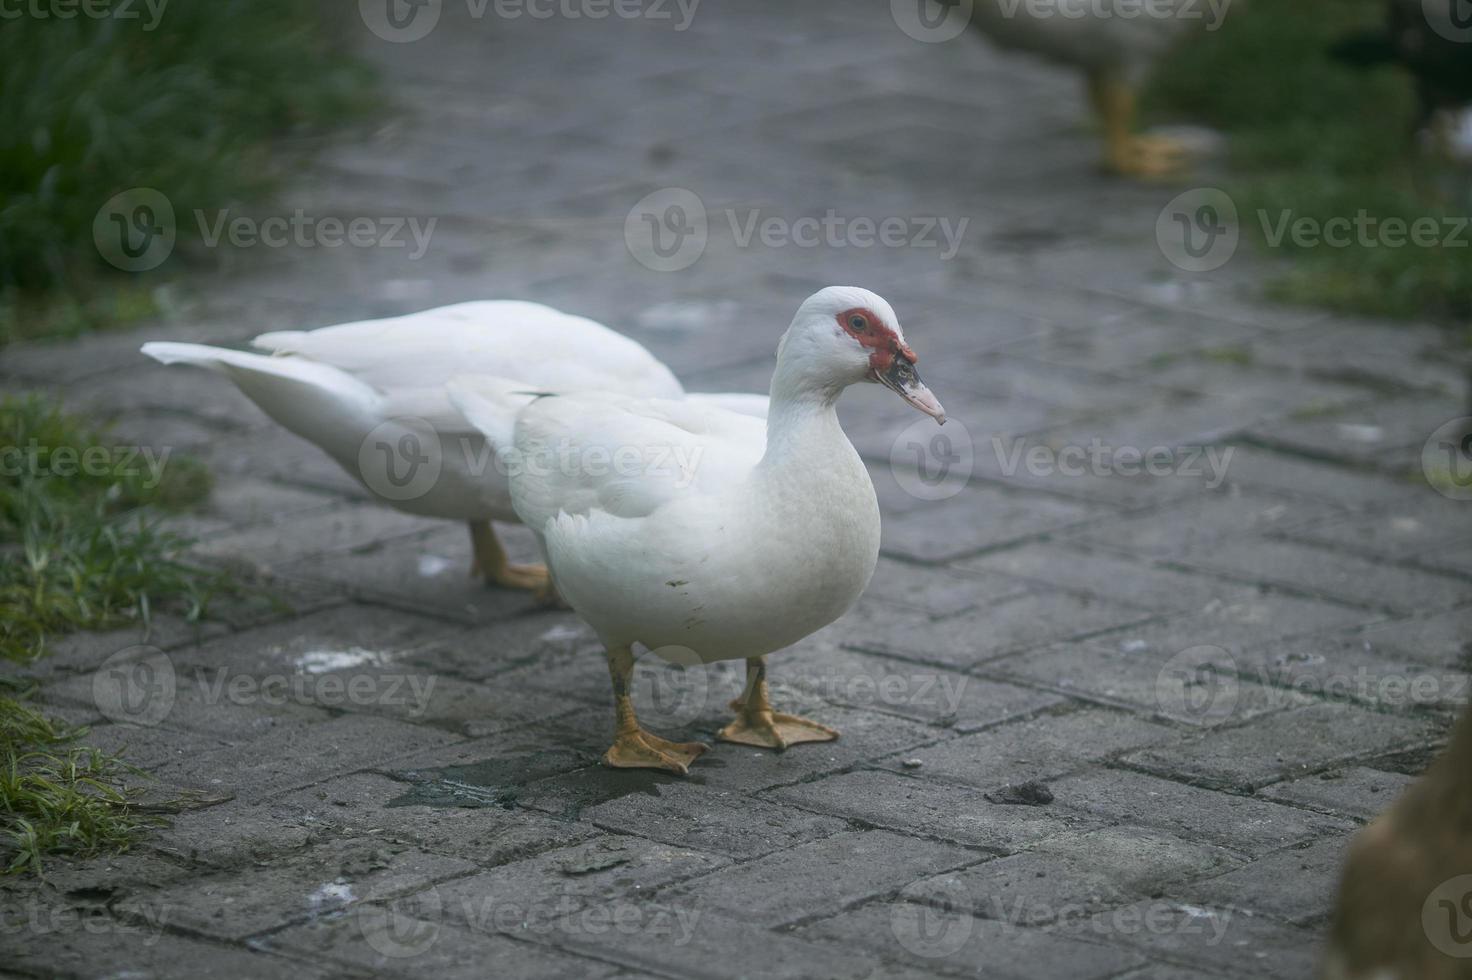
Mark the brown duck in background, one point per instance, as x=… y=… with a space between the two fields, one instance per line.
x=1405 y=897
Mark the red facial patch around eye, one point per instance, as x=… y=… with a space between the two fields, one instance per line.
x=861 y=324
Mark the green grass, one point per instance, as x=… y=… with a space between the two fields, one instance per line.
x=57 y=796
x=1320 y=140
x=194 y=108
x=79 y=549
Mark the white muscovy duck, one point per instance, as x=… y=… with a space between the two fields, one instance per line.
x=714 y=540
x=1114 y=50
x=371 y=394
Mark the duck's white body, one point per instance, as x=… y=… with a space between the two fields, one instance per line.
x=358 y=390
x=1088 y=34
x=761 y=545
x=699 y=532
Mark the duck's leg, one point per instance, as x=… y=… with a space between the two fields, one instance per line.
x=1125 y=151
x=757 y=724
x=633 y=747
x=490 y=562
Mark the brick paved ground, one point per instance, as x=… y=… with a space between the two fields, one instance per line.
x=418 y=792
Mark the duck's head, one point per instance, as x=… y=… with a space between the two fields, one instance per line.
x=843 y=335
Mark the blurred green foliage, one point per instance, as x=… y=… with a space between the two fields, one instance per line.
x=1319 y=139
x=90 y=107
x=77 y=548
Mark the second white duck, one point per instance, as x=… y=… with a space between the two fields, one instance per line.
x=371 y=394
x=714 y=540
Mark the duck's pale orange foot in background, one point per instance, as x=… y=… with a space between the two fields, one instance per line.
x=633 y=747
x=757 y=724
x=488 y=561
x=1126 y=152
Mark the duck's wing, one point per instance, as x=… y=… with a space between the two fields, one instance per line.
x=534 y=344
x=319 y=402
x=619 y=456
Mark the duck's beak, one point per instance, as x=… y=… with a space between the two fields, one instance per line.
x=902 y=378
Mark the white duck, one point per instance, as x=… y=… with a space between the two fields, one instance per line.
x=372 y=395
x=1114 y=50
x=713 y=540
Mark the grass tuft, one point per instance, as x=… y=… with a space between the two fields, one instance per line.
x=190 y=107
x=1322 y=140
x=58 y=797
x=80 y=550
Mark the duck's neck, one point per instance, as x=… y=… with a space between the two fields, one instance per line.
x=802 y=420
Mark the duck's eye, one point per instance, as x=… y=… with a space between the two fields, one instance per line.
x=858 y=323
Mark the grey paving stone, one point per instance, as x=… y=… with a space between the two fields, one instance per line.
x=968 y=639
x=607 y=868
x=300 y=886
x=403 y=946
x=1037 y=749
x=297 y=755
x=1350 y=665
x=232 y=834
x=1129 y=580
x=980 y=518
x=1412 y=528
x=798 y=884
x=1387 y=433
x=716 y=946
x=956 y=701
x=1243 y=824
x=955 y=943
x=370 y=803
x=1347 y=578
x=166 y=956
x=1197 y=523
x=689 y=815
x=1224 y=940
x=347 y=527
x=1236 y=624
x=1072 y=875
x=427 y=572
x=1153 y=681
x=1297 y=884
x=1354 y=791
x=1254 y=468
x=1440 y=638
x=1283 y=745
x=944 y=810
